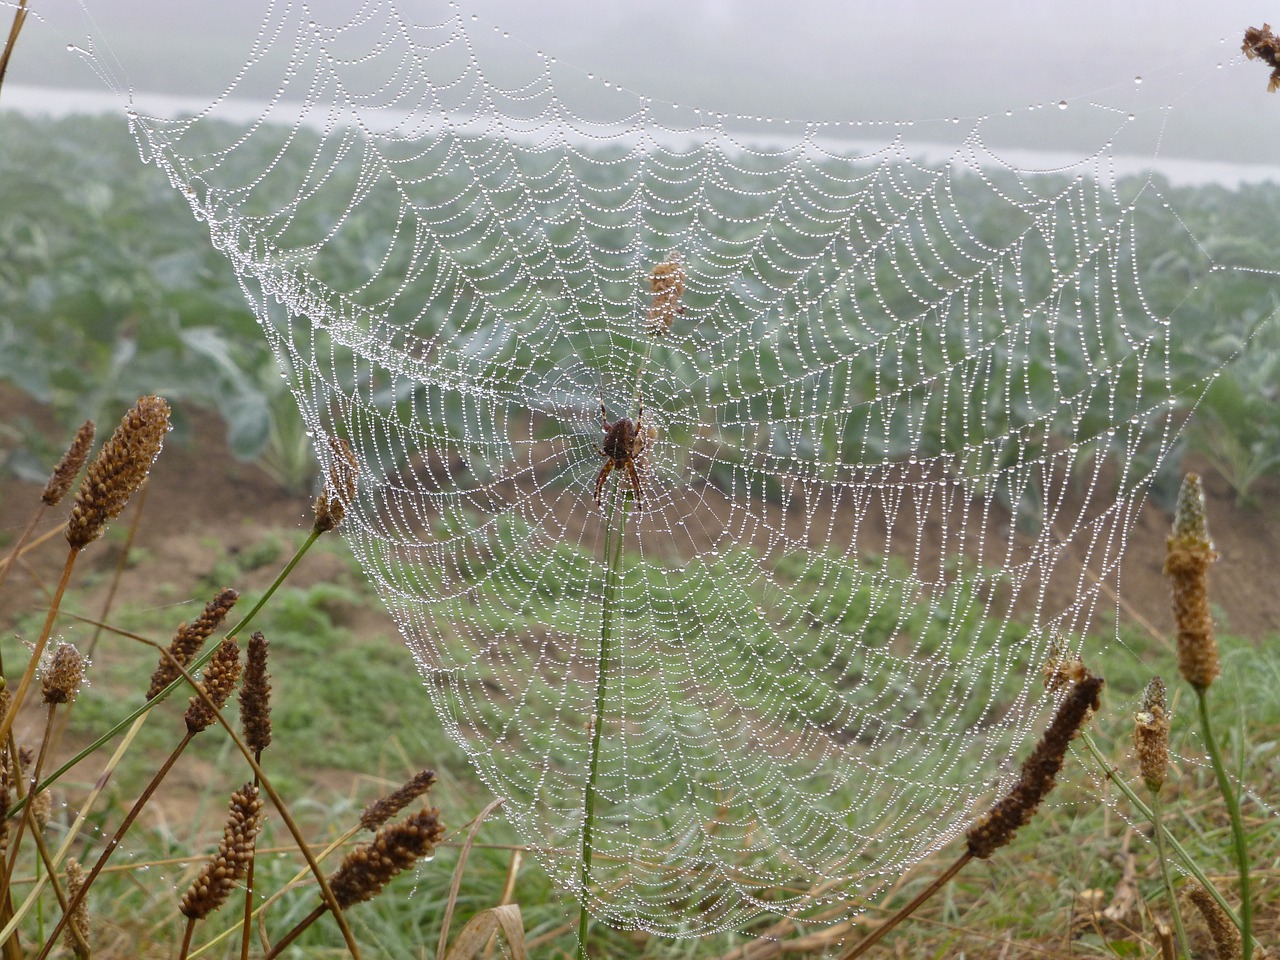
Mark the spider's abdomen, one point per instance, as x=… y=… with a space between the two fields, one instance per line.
x=618 y=441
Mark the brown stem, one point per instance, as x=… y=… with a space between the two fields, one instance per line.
x=880 y=932
x=21 y=541
x=28 y=809
x=246 y=932
x=115 y=841
x=19 y=18
x=20 y=694
x=296 y=932
x=186 y=938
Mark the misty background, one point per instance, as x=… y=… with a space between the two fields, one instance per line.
x=928 y=62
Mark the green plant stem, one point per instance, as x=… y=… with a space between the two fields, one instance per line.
x=1157 y=821
x=613 y=553
x=1232 y=800
x=1192 y=867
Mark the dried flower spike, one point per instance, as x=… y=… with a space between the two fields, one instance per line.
x=42 y=809
x=219 y=680
x=1190 y=552
x=1061 y=669
x=118 y=470
x=69 y=467
x=189 y=638
x=394 y=848
x=340 y=487
x=62 y=672
x=998 y=825
x=383 y=809
x=1226 y=938
x=667 y=285
x=78 y=928
x=1264 y=45
x=1151 y=736
x=255 y=696
x=226 y=868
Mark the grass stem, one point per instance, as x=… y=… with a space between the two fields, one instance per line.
x=1157 y=822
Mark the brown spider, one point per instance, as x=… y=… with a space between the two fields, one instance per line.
x=624 y=441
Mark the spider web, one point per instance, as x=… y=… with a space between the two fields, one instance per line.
x=895 y=423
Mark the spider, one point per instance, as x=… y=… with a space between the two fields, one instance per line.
x=624 y=441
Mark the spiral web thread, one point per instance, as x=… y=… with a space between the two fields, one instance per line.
x=893 y=442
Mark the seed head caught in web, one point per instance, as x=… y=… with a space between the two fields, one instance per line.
x=1037 y=776
x=219 y=680
x=340 y=487
x=189 y=638
x=384 y=808
x=1190 y=553
x=1151 y=736
x=1262 y=44
x=118 y=470
x=1061 y=668
x=666 y=282
x=61 y=674
x=78 y=928
x=69 y=467
x=226 y=868
x=394 y=848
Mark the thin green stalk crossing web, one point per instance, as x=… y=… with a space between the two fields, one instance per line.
x=891 y=433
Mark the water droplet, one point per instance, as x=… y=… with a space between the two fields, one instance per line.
x=1062 y=104
x=1137 y=79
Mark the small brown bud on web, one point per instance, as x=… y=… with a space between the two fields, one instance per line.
x=340 y=487
x=219 y=680
x=189 y=638
x=255 y=696
x=118 y=470
x=1190 y=553
x=61 y=674
x=1038 y=773
x=69 y=467
x=1262 y=44
x=394 y=848
x=1226 y=937
x=1061 y=668
x=666 y=282
x=228 y=867
x=383 y=809
x=1151 y=736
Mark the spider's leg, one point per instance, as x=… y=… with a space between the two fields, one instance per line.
x=635 y=478
x=602 y=476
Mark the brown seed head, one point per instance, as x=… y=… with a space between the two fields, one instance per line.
x=340 y=487
x=78 y=927
x=1061 y=668
x=1265 y=46
x=1190 y=552
x=69 y=467
x=383 y=809
x=230 y=864
x=255 y=696
x=118 y=470
x=61 y=674
x=1036 y=778
x=1151 y=736
x=189 y=638
x=394 y=848
x=219 y=680
x=1226 y=938
x=42 y=809
x=666 y=282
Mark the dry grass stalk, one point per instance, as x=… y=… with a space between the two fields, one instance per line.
x=220 y=678
x=118 y=470
x=340 y=487
x=62 y=675
x=383 y=809
x=1190 y=552
x=394 y=848
x=69 y=467
x=1038 y=773
x=667 y=285
x=1226 y=938
x=1262 y=44
x=255 y=696
x=78 y=925
x=188 y=639
x=1151 y=736
x=229 y=865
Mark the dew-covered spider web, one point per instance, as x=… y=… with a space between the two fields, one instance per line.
x=895 y=401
